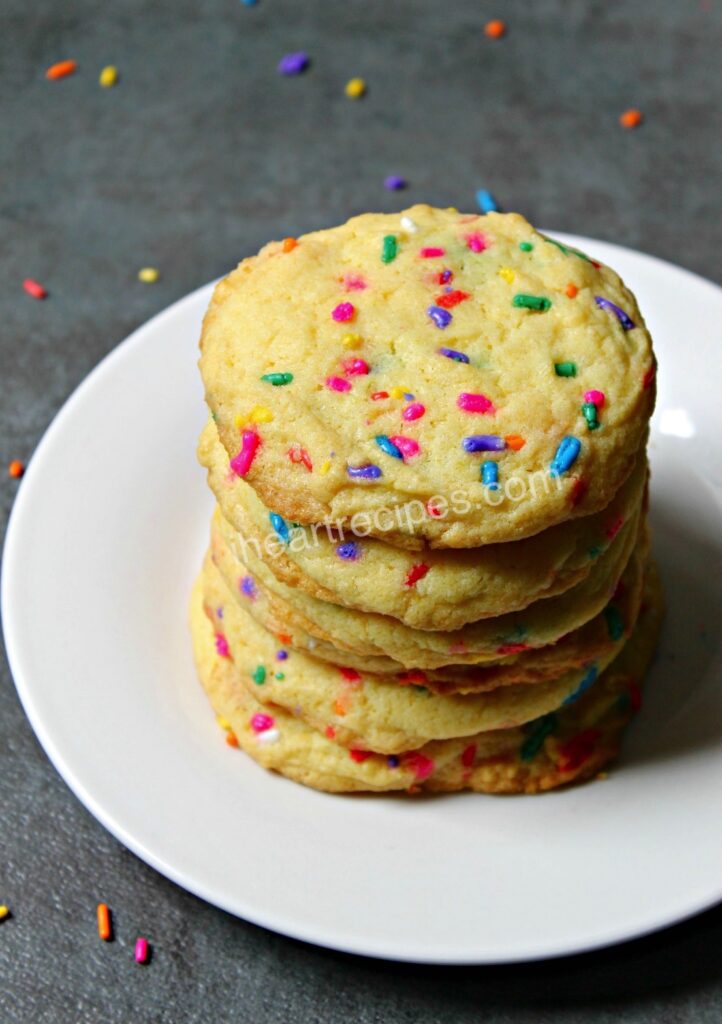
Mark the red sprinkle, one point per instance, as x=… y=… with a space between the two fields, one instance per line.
x=512 y=648
x=337 y=384
x=378 y=395
x=577 y=750
x=431 y=252
x=579 y=489
x=413 y=677
x=355 y=367
x=416 y=573
x=614 y=528
x=474 y=403
x=34 y=288
x=350 y=674
x=359 y=756
x=432 y=510
x=421 y=765
x=344 y=312
x=330 y=732
x=300 y=455
x=448 y=300
x=649 y=376
x=412 y=412
x=468 y=755
x=249 y=446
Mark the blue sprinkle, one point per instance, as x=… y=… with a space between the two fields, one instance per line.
x=490 y=475
x=293 y=63
x=451 y=353
x=409 y=398
x=249 y=3
x=625 y=320
x=369 y=472
x=394 y=182
x=281 y=655
x=388 y=446
x=349 y=551
x=483 y=443
x=248 y=587
x=584 y=685
x=566 y=455
x=441 y=317
x=486 y=201
x=392 y=761
x=280 y=526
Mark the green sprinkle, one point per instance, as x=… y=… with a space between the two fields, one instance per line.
x=389 y=251
x=565 y=369
x=566 y=250
x=589 y=411
x=259 y=675
x=277 y=379
x=533 y=743
x=280 y=675
x=595 y=551
x=526 y=246
x=538 y=302
x=615 y=625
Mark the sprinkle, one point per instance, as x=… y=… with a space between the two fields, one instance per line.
x=108 y=76
x=408 y=447
x=250 y=442
x=343 y=312
x=514 y=648
x=474 y=403
x=483 y=443
x=565 y=369
x=352 y=341
x=148 y=275
x=613 y=529
x=595 y=397
x=432 y=511
x=408 y=225
x=526 y=246
x=543 y=727
x=537 y=302
x=579 y=489
x=468 y=755
x=142 y=951
x=298 y=455
x=615 y=623
x=494 y=29
x=389 y=249
x=388 y=446
x=476 y=242
x=231 y=739
x=649 y=376
x=441 y=317
x=392 y=761
x=450 y=299
x=490 y=475
x=354 y=283
x=445 y=276
x=324 y=467
x=565 y=456
x=277 y=379
x=421 y=765
x=61 y=70
x=431 y=252
x=359 y=756
x=338 y=384
x=247 y=587
x=222 y=646
x=486 y=201
x=412 y=677
x=349 y=551
x=330 y=732
x=4 y=912
x=270 y=735
x=281 y=655
x=589 y=412
x=261 y=722
x=572 y=754
x=416 y=573
x=631 y=118
x=394 y=183
x=571 y=290
x=288 y=244
x=451 y=353
x=507 y=274
x=259 y=675
x=413 y=412
x=368 y=472
x=280 y=527
x=377 y=396
x=355 y=367
x=260 y=414
x=105 y=927
x=585 y=683
x=34 y=288
x=625 y=320
x=293 y=63
x=16 y=469
x=355 y=88
x=398 y=392
x=515 y=442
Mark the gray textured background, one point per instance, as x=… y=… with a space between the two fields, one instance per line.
x=198 y=156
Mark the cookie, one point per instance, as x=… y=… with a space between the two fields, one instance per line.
x=463 y=367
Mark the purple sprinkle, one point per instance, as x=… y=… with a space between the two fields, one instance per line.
x=451 y=353
x=349 y=551
x=392 y=761
x=483 y=443
x=293 y=63
x=408 y=397
x=281 y=655
x=626 y=321
x=248 y=587
x=368 y=472
x=445 y=276
x=394 y=183
x=219 y=612
x=441 y=317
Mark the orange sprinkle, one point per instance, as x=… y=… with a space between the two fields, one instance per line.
x=16 y=469
x=231 y=739
x=515 y=442
x=105 y=929
x=339 y=708
x=288 y=244
x=62 y=69
x=572 y=290
x=631 y=118
x=284 y=638
x=494 y=29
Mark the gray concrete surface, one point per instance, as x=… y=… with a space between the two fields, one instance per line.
x=198 y=156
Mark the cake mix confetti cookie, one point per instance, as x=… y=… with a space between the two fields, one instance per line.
x=402 y=358
x=426 y=588
x=570 y=744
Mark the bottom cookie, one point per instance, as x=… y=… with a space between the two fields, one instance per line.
x=562 y=747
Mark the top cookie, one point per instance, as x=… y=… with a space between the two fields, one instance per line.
x=428 y=376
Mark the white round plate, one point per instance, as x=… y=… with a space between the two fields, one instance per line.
x=107 y=532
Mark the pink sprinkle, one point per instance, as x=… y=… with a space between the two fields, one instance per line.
x=406 y=445
x=474 y=403
x=34 y=288
x=350 y=674
x=413 y=412
x=249 y=446
x=262 y=723
x=432 y=510
x=337 y=384
x=476 y=242
x=222 y=646
x=355 y=367
x=614 y=528
x=594 y=398
x=421 y=765
x=430 y=252
x=343 y=312
x=141 y=951
x=354 y=283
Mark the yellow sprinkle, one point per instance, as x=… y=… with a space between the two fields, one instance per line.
x=324 y=467
x=148 y=275
x=355 y=88
x=260 y=414
x=352 y=341
x=4 y=911
x=398 y=392
x=224 y=723
x=507 y=273
x=239 y=421
x=108 y=76
x=451 y=209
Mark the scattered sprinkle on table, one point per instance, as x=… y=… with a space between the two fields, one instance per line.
x=108 y=76
x=355 y=88
x=142 y=951
x=293 y=63
x=16 y=469
x=34 y=289
x=249 y=3
x=394 y=183
x=62 y=69
x=495 y=29
x=148 y=275
x=631 y=118
x=486 y=201
x=105 y=928
x=4 y=911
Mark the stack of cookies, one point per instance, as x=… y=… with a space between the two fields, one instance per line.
x=429 y=560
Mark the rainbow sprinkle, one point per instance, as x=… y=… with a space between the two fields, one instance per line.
x=624 y=319
x=389 y=249
x=280 y=527
x=540 y=303
x=483 y=443
x=344 y=312
x=368 y=472
x=490 y=475
x=386 y=445
x=277 y=379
